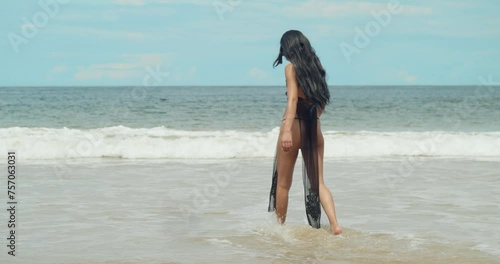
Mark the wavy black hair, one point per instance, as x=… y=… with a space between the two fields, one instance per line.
x=309 y=72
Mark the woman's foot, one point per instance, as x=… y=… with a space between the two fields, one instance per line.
x=336 y=230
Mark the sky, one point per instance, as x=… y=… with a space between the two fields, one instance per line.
x=235 y=42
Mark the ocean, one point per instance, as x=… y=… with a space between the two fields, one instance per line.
x=243 y=122
x=182 y=175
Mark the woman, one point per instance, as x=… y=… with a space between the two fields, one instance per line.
x=308 y=95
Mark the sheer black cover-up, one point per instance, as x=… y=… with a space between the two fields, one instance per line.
x=308 y=120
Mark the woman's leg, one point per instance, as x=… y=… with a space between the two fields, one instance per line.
x=325 y=195
x=285 y=165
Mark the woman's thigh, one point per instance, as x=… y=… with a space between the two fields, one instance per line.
x=286 y=159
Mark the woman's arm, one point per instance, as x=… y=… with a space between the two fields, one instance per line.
x=292 y=92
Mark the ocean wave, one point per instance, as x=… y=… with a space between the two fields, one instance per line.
x=161 y=142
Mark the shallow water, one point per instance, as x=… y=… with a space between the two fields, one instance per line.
x=430 y=210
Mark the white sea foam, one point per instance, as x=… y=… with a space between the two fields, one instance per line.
x=161 y=142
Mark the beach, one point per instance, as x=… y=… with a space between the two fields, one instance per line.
x=444 y=210
x=147 y=131
x=183 y=174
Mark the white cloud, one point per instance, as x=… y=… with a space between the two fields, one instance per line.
x=184 y=76
x=474 y=26
x=416 y=10
x=59 y=54
x=130 y=2
x=192 y=72
x=116 y=66
x=259 y=74
x=59 y=69
x=27 y=26
x=315 y=8
x=56 y=70
x=151 y=59
x=132 y=66
x=143 y=2
x=192 y=2
x=95 y=74
x=406 y=77
x=114 y=13
x=112 y=33
x=101 y=33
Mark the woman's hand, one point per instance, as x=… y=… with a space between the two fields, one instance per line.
x=286 y=141
x=291 y=108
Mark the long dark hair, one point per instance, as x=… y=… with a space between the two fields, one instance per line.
x=309 y=72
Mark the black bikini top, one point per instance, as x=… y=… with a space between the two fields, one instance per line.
x=300 y=98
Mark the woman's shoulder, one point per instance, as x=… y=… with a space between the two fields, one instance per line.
x=289 y=70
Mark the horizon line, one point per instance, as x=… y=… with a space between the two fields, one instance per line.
x=165 y=86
